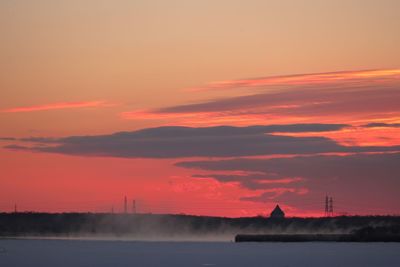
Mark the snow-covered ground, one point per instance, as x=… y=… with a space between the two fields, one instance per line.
x=76 y=253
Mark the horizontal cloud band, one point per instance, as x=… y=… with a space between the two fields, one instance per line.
x=177 y=142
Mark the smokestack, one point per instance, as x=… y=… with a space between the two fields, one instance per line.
x=125 y=205
x=134 y=206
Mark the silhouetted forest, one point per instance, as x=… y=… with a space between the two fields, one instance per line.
x=153 y=225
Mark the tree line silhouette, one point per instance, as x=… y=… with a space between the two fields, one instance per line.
x=91 y=224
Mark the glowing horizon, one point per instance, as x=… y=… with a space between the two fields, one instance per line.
x=219 y=108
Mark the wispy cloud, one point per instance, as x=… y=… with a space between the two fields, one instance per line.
x=381 y=125
x=346 y=176
x=300 y=79
x=253 y=180
x=361 y=166
x=58 y=105
x=274 y=194
x=350 y=96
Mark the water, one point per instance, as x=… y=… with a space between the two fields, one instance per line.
x=76 y=253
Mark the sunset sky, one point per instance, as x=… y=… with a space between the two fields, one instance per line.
x=212 y=107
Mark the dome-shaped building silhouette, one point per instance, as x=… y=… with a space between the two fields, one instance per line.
x=277 y=213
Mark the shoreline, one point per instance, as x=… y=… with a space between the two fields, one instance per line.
x=317 y=238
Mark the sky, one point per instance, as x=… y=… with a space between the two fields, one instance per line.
x=220 y=108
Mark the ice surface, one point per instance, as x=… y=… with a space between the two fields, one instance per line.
x=76 y=253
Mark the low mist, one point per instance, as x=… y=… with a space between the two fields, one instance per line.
x=154 y=227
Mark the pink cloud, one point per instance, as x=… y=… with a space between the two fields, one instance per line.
x=326 y=97
x=59 y=105
x=300 y=79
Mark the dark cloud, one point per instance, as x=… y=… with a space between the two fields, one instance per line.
x=232 y=178
x=189 y=132
x=220 y=141
x=263 y=197
x=308 y=100
x=39 y=140
x=373 y=176
x=254 y=181
x=323 y=167
x=17 y=147
x=7 y=139
x=381 y=124
x=247 y=181
x=276 y=194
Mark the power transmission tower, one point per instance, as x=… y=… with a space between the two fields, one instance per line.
x=326 y=206
x=330 y=206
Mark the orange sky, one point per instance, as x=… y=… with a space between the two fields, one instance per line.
x=84 y=68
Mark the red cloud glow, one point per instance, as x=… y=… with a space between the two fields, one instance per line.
x=300 y=79
x=345 y=96
x=59 y=105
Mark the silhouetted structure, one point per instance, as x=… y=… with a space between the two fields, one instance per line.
x=328 y=206
x=133 y=206
x=277 y=213
x=125 y=205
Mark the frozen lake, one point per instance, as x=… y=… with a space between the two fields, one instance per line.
x=76 y=253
